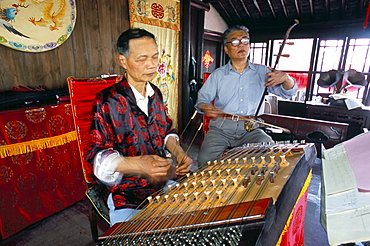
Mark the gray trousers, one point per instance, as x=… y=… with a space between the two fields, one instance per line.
x=224 y=133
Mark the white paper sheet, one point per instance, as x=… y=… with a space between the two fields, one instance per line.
x=338 y=174
x=347 y=200
x=349 y=226
x=345 y=209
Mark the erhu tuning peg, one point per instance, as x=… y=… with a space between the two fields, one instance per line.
x=288 y=43
x=283 y=55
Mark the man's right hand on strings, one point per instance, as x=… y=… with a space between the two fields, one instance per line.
x=152 y=167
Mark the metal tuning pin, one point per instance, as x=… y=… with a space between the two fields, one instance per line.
x=260 y=177
x=272 y=176
x=254 y=169
x=246 y=181
x=276 y=168
x=263 y=169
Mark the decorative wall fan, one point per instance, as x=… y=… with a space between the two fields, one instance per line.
x=36 y=25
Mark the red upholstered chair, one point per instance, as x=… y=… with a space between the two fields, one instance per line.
x=82 y=94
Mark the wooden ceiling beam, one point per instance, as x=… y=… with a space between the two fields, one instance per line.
x=285 y=10
x=312 y=10
x=362 y=8
x=258 y=7
x=296 y=5
x=343 y=9
x=200 y=5
x=246 y=9
x=235 y=10
x=224 y=11
x=271 y=8
x=327 y=9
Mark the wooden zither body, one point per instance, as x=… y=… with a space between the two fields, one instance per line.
x=244 y=198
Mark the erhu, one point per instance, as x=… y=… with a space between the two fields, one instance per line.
x=280 y=54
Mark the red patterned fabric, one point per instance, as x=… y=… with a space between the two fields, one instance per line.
x=82 y=93
x=38 y=183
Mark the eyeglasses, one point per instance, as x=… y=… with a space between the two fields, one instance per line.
x=237 y=42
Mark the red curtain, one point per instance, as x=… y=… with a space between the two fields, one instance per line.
x=46 y=176
x=301 y=80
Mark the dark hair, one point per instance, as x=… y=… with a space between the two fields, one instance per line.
x=234 y=29
x=126 y=36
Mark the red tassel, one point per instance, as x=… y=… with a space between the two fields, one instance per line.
x=367 y=16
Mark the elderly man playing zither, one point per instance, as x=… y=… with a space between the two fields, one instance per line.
x=131 y=135
x=235 y=90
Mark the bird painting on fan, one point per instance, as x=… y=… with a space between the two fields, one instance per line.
x=8 y=15
x=52 y=13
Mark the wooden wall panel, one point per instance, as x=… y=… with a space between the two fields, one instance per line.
x=88 y=52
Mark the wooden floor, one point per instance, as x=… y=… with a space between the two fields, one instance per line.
x=71 y=226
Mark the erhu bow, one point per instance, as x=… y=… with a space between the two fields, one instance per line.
x=296 y=22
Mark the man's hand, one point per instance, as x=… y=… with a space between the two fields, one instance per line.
x=184 y=163
x=211 y=111
x=279 y=77
x=152 y=167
